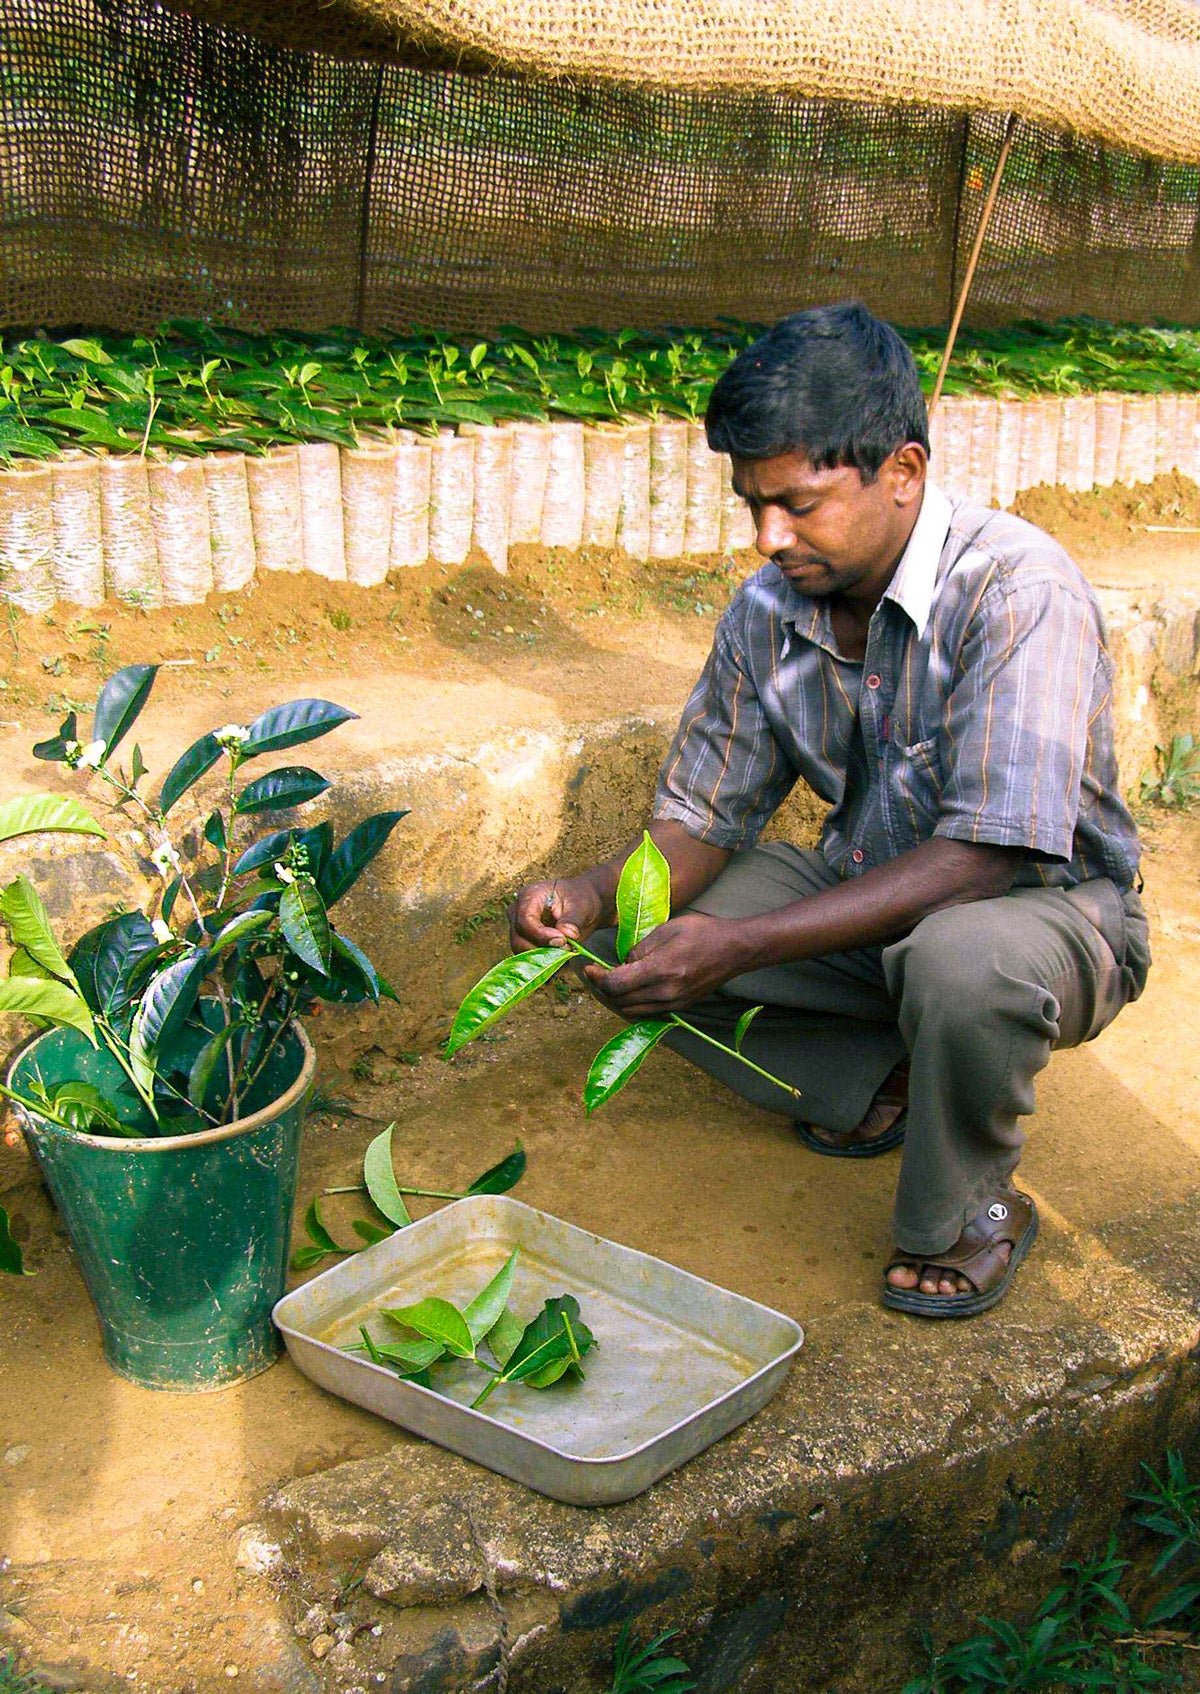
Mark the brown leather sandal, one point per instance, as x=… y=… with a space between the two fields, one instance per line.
x=854 y=1144
x=1007 y=1216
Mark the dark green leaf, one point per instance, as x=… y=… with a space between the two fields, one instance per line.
x=199 y=758
x=119 y=702
x=380 y=1177
x=483 y=1313
x=292 y=785
x=541 y=1339
x=355 y=853
x=438 y=1321
x=10 y=1250
x=288 y=726
x=498 y=1179
x=505 y=986
x=214 y=831
x=204 y=1068
x=314 y=1224
x=168 y=999
x=137 y=766
x=29 y=926
x=1172 y=1604
x=266 y=850
x=643 y=895
x=105 y=958
x=305 y=925
x=29 y=814
x=84 y=1106
x=619 y=1059
x=359 y=966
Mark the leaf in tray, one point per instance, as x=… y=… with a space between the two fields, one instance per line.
x=547 y=1339
x=504 y=1337
x=380 y=1178
x=486 y=1308
x=438 y=1321
x=418 y=1354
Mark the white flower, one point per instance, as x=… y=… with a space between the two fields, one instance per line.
x=283 y=873
x=162 y=931
x=165 y=859
x=71 y=752
x=232 y=735
x=92 y=756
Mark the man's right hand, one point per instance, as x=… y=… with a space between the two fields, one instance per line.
x=544 y=914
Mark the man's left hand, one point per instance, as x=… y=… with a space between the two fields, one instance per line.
x=683 y=960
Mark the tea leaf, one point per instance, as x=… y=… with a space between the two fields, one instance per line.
x=33 y=997
x=214 y=830
x=438 y=1321
x=237 y=929
x=500 y=1178
x=504 y=1337
x=505 y=986
x=119 y=703
x=371 y=1233
x=204 y=1067
x=168 y=999
x=28 y=814
x=29 y=926
x=190 y=766
x=380 y=1177
x=288 y=726
x=619 y=1059
x=545 y=1335
x=414 y=1355
x=105 y=958
x=643 y=895
x=10 y=1249
x=361 y=968
x=293 y=785
x=485 y=1309
x=743 y=1024
x=304 y=924
x=347 y=863
x=317 y=1232
x=81 y=1103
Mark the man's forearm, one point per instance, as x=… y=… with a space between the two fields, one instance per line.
x=694 y=865
x=880 y=906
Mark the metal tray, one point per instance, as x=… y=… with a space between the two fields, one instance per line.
x=680 y=1362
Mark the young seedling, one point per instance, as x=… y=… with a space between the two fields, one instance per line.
x=643 y=903
x=388 y=1197
x=433 y=1331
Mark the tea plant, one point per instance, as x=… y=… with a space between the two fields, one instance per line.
x=643 y=902
x=192 y=387
x=485 y=1333
x=192 y=997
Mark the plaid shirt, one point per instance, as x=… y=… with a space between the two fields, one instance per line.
x=982 y=710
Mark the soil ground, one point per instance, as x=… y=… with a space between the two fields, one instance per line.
x=123 y=1513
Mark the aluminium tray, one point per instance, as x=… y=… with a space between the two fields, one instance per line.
x=679 y=1362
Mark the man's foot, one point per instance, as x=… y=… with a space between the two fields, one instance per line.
x=882 y=1126
x=976 y=1271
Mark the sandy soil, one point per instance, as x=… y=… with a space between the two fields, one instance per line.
x=122 y=1512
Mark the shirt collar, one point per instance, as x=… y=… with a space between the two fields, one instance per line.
x=913 y=584
x=915 y=581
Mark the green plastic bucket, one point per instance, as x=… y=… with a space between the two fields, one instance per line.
x=182 y=1239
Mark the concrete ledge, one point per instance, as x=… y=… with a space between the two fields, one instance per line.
x=988 y=1453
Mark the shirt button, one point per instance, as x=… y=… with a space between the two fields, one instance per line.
x=874 y=680
x=857 y=855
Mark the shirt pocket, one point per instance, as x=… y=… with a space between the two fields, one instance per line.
x=913 y=782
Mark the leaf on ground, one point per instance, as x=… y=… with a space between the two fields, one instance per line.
x=10 y=1249
x=498 y=1179
x=379 y=1174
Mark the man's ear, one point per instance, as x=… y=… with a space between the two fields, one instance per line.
x=906 y=470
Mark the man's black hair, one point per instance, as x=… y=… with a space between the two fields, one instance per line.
x=834 y=383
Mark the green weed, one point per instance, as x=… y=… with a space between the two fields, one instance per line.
x=1085 y=1634
x=648 y=1670
x=12 y=1681
x=1176 y=782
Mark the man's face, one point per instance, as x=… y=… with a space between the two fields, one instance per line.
x=828 y=531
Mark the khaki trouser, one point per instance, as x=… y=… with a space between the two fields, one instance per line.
x=977 y=995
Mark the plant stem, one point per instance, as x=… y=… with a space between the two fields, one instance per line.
x=681 y=1023
x=421 y=1193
